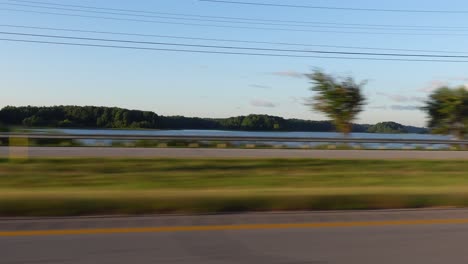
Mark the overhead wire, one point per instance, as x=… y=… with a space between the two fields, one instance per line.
x=228 y=17
x=339 y=8
x=65 y=7
x=227 y=52
x=250 y=22
x=238 y=27
x=223 y=40
x=235 y=47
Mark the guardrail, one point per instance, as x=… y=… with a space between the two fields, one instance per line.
x=236 y=139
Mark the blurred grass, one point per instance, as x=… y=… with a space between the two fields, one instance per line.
x=56 y=187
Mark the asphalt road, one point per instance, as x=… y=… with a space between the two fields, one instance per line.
x=228 y=153
x=411 y=236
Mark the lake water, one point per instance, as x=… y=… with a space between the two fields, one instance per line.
x=237 y=133
x=330 y=135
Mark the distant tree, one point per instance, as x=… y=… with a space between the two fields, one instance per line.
x=308 y=125
x=448 y=111
x=33 y=121
x=261 y=123
x=65 y=123
x=387 y=127
x=3 y=128
x=231 y=123
x=341 y=99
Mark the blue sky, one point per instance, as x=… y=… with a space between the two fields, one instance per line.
x=210 y=85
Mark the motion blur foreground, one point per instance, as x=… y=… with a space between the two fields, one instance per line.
x=275 y=132
x=222 y=204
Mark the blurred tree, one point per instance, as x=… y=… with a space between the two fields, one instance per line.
x=341 y=99
x=448 y=111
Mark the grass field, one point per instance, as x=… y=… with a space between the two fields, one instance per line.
x=57 y=187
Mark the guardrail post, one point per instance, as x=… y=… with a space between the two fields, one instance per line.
x=463 y=146
x=18 y=147
x=162 y=145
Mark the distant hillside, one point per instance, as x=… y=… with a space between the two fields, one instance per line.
x=113 y=117
x=393 y=128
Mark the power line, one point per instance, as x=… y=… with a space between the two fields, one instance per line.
x=233 y=18
x=227 y=52
x=238 y=27
x=114 y=9
x=338 y=8
x=226 y=40
x=237 y=47
x=147 y=21
x=185 y=18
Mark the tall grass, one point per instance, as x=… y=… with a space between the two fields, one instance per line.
x=133 y=186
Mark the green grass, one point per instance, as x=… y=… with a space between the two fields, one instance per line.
x=132 y=186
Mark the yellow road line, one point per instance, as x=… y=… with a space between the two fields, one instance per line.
x=229 y=227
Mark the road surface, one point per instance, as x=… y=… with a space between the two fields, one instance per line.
x=228 y=153
x=408 y=236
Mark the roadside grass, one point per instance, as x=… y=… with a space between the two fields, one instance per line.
x=65 y=187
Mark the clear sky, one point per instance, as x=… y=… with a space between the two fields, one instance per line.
x=213 y=85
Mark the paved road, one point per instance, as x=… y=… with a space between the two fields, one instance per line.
x=230 y=153
x=411 y=236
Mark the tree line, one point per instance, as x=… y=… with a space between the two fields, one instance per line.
x=113 y=117
x=339 y=98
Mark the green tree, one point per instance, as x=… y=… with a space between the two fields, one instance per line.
x=387 y=127
x=341 y=99
x=448 y=111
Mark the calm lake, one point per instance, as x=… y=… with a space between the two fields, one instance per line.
x=237 y=133
x=250 y=134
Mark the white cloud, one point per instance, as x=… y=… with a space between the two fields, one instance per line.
x=459 y=78
x=262 y=103
x=405 y=107
x=291 y=74
x=260 y=86
x=378 y=107
x=298 y=100
x=401 y=98
x=394 y=97
x=432 y=86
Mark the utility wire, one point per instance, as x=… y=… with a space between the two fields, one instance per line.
x=309 y=25
x=225 y=40
x=228 y=18
x=175 y=18
x=238 y=27
x=237 y=47
x=226 y=52
x=339 y=8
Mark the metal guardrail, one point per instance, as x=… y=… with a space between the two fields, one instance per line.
x=236 y=139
